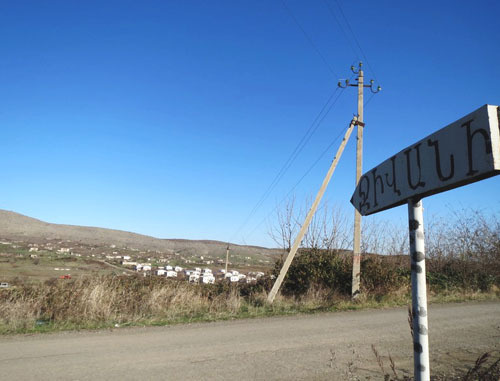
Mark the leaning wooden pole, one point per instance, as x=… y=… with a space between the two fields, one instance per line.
x=310 y=214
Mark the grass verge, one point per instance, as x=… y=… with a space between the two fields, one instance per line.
x=102 y=302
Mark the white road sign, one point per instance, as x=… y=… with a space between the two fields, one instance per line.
x=463 y=152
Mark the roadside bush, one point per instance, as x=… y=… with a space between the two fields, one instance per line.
x=382 y=275
x=454 y=274
x=317 y=269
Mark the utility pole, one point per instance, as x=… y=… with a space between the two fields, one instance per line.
x=356 y=254
x=227 y=257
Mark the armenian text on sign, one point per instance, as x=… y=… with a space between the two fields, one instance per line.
x=463 y=152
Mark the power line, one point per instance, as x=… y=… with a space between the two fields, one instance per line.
x=305 y=138
x=298 y=149
x=298 y=182
x=308 y=38
x=356 y=40
x=342 y=29
x=304 y=175
x=369 y=99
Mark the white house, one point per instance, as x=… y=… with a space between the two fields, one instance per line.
x=194 y=278
x=171 y=274
x=208 y=279
x=126 y=263
x=178 y=268
x=168 y=267
x=234 y=278
x=160 y=272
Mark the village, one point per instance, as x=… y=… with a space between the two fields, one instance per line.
x=201 y=269
x=196 y=275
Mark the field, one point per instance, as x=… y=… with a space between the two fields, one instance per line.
x=17 y=263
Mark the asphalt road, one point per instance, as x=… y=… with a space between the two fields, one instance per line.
x=310 y=347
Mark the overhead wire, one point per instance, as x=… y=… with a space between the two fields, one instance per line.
x=304 y=175
x=293 y=156
x=369 y=99
x=314 y=125
x=311 y=42
x=323 y=153
x=355 y=39
x=342 y=29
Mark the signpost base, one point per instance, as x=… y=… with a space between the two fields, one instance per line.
x=418 y=291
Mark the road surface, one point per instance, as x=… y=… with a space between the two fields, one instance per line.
x=304 y=347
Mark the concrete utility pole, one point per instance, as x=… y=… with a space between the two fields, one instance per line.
x=227 y=257
x=310 y=214
x=356 y=255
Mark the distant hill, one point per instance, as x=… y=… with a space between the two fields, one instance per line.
x=17 y=227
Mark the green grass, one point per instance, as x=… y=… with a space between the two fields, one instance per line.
x=42 y=268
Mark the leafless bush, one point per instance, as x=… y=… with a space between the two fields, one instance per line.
x=467 y=235
x=330 y=228
x=286 y=227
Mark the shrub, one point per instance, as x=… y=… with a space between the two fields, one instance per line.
x=317 y=269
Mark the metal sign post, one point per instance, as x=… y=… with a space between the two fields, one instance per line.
x=461 y=153
x=418 y=291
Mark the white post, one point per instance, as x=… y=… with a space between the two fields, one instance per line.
x=418 y=292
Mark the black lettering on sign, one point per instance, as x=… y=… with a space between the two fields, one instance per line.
x=363 y=193
x=393 y=184
x=470 y=137
x=408 y=168
x=435 y=144
x=381 y=182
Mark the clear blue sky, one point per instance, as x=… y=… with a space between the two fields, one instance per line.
x=171 y=118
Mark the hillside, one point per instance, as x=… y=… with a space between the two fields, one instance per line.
x=17 y=227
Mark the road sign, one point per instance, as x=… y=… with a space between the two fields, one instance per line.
x=461 y=153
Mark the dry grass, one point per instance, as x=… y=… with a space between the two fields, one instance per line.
x=103 y=301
